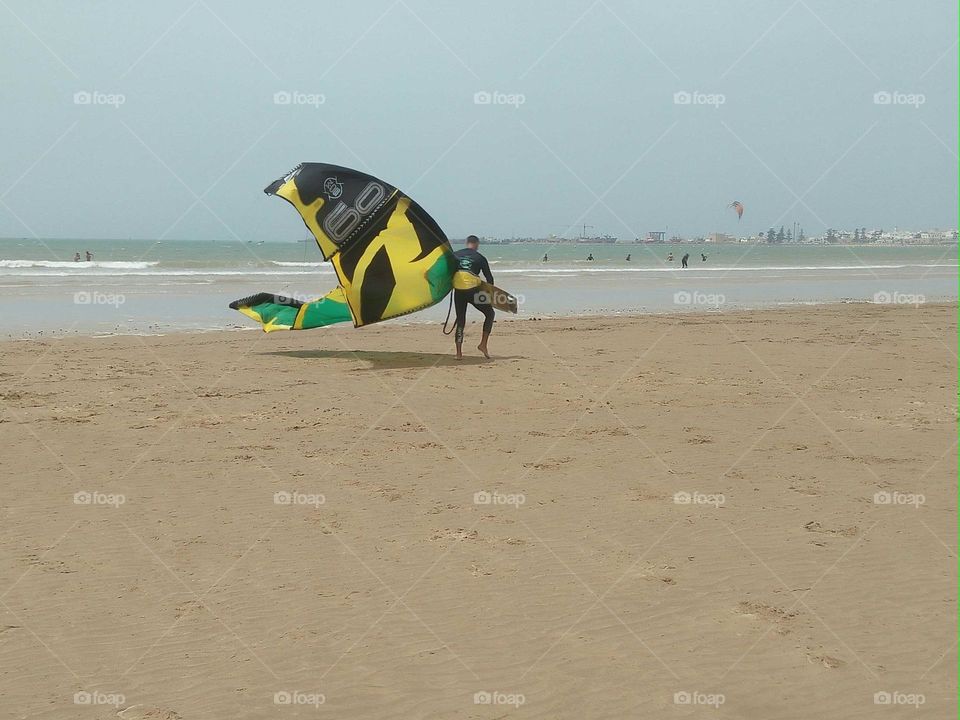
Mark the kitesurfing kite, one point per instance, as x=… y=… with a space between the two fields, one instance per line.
x=738 y=206
x=390 y=256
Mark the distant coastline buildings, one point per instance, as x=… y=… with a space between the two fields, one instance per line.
x=795 y=235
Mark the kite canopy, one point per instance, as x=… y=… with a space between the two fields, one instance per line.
x=738 y=207
x=390 y=256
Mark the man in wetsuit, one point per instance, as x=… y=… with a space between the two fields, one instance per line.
x=472 y=261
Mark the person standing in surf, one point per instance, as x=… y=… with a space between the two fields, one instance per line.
x=470 y=260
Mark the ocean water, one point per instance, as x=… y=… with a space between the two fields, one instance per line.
x=142 y=286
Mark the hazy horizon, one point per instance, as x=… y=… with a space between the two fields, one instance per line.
x=500 y=120
x=533 y=239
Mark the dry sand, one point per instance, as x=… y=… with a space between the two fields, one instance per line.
x=784 y=589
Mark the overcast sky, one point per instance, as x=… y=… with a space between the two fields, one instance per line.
x=166 y=120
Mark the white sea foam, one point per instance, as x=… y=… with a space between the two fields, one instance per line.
x=82 y=265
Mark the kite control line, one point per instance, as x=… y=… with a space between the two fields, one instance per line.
x=449 y=309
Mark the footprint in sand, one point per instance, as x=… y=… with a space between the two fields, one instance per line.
x=770 y=613
x=816 y=527
x=448 y=534
x=826 y=660
x=549 y=464
x=143 y=712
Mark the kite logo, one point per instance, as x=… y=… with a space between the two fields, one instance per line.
x=332 y=188
x=343 y=220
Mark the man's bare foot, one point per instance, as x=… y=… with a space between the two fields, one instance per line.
x=459 y=355
x=483 y=349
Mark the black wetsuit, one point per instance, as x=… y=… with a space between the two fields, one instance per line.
x=683 y=260
x=475 y=263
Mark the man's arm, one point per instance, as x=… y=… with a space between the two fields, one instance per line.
x=485 y=269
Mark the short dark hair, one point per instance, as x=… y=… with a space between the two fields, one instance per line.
x=473 y=239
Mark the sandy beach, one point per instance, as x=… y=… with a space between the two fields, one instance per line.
x=739 y=515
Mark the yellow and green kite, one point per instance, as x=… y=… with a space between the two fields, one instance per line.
x=390 y=256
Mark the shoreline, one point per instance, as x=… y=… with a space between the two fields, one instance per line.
x=191 y=288
x=502 y=319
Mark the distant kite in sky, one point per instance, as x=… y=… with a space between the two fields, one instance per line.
x=738 y=206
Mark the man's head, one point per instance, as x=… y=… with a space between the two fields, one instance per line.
x=473 y=242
